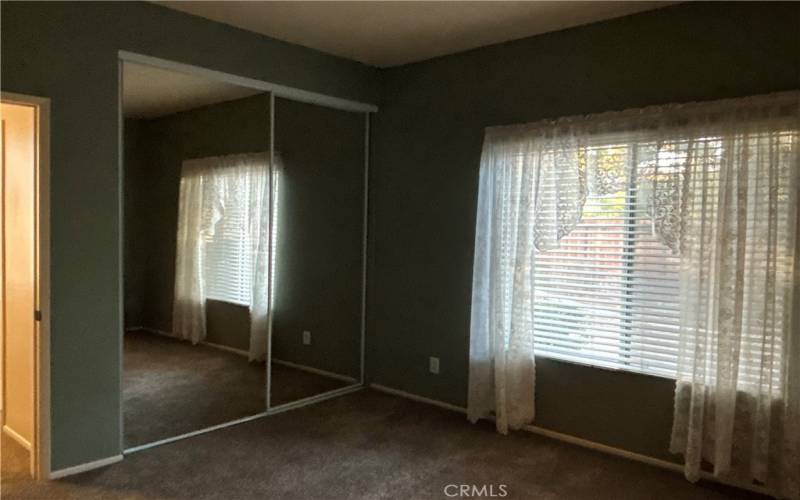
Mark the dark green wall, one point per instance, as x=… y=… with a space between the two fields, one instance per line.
x=228 y=324
x=68 y=52
x=136 y=241
x=319 y=239
x=423 y=185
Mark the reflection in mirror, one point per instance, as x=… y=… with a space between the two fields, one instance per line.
x=316 y=329
x=196 y=194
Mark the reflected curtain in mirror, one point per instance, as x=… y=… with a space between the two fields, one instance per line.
x=222 y=243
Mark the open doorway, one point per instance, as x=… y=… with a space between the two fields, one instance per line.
x=24 y=315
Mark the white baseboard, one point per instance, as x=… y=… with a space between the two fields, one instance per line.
x=585 y=443
x=152 y=330
x=421 y=399
x=316 y=371
x=77 y=469
x=593 y=445
x=163 y=333
x=240 y=352
x=17 y=437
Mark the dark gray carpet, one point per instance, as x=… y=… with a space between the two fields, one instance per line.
x=172 y=387
x=368 y=445
x=15 y=462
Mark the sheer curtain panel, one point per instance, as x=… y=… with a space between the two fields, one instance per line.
x=737 y=398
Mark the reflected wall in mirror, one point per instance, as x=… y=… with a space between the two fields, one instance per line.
x=196 y=170
x=316 y=329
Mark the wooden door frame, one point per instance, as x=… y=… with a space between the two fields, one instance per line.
x=40 y=452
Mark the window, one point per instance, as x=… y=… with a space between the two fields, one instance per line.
x=230 y=246
x=229 y=258
x=658 y=240
x=222 y=250
x=608 y=295
x=223 y=229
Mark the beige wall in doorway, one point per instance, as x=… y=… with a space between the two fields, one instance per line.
x=18 y=268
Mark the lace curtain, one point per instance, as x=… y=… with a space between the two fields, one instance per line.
x=212 y=188
x=737 y=398
x=719 y=182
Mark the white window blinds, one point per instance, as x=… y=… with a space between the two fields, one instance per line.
x=608 y=295
x=229 y=259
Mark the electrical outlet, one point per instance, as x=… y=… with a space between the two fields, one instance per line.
x=433 y=365
x=306 y=337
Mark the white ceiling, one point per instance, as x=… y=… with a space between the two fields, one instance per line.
x=148 y=92
x=396 y=32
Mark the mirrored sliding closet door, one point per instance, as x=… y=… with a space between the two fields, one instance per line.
x=318 y=263
x=196 y=217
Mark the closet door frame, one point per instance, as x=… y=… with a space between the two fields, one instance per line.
x=274 y=90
